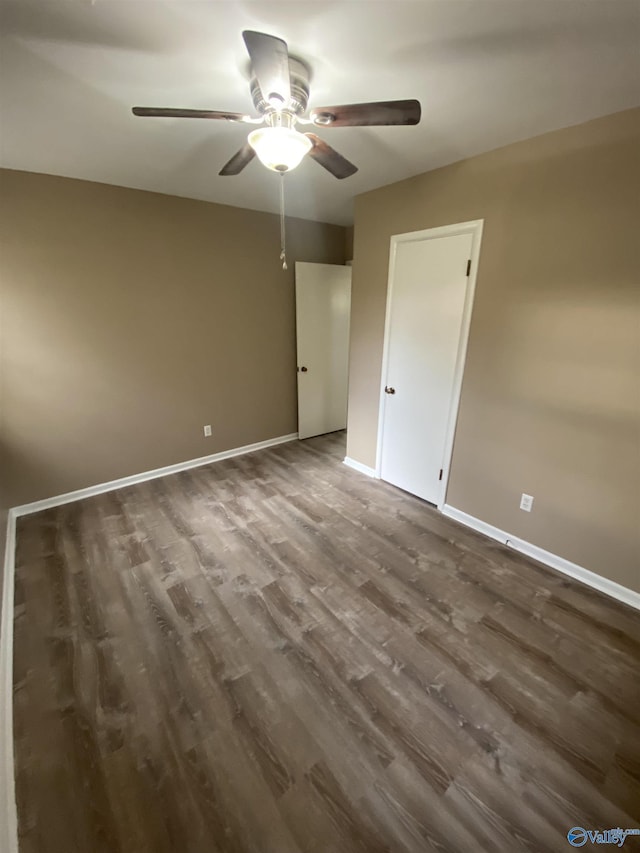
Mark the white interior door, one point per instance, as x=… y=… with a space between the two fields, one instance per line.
x=323 y=311
x=428 y=290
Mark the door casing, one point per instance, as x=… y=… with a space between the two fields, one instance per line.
x=473 y=227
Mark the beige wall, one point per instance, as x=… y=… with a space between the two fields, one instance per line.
x=348 y=243
x=131 y=320
x=550 y=400
x=4 y=498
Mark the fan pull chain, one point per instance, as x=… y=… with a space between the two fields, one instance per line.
x=283 y=248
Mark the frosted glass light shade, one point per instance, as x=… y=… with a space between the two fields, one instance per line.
x=279 y=148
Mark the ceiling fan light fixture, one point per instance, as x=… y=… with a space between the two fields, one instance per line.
x=281 y=149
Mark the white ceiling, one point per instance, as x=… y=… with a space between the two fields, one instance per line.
x=487 y=72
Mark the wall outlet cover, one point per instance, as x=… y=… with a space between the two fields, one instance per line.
x=526 y=502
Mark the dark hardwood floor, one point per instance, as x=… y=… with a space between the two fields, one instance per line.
x=276 y=654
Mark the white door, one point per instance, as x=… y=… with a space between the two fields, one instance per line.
x=428 y=290
x=323 y=311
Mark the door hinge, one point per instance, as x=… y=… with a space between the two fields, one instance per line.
x=440 y=477
x=469 y=267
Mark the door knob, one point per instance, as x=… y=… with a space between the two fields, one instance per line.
x=303 y=370
x=388 y=390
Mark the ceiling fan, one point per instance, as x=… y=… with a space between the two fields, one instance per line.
x=280 y=92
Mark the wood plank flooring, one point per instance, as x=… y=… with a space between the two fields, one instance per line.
x=276 y=654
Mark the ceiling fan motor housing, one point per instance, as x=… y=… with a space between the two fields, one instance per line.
x=299 y=76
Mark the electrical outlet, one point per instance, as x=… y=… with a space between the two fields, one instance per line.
x=207 y=430
x=526 y=502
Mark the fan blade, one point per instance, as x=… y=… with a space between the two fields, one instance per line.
x=239 y=160
x=376 y=113
x=270 y=61
x=329 y=158
x=170 y=112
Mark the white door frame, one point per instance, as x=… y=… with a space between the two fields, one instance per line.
x=474 y=227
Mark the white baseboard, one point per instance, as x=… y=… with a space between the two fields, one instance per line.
x=8 y=815
x=608 y=587
x=112 y=485
x=358 y=466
